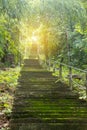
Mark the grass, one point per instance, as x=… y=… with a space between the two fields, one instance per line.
x=8 y=83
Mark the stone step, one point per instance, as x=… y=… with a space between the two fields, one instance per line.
x=49 y=126
x=41 y=102
x=37 y=74
x=31 y=61
x=51 y=103
x=55 y=110
x=36 y=97
x=49 y=120
x=37 y=81
x=50 y=116
x=44 y=96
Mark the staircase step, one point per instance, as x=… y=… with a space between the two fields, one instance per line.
x=41 y=102
x=49 y=126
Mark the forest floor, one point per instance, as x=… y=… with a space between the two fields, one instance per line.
x=8 y=82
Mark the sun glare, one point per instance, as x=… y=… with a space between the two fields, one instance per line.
x=34 y=38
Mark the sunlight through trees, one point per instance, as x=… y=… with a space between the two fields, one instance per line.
x=53 y=24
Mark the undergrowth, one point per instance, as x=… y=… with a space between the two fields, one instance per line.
x=8 y=83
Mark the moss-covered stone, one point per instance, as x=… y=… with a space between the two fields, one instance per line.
x=41 y=103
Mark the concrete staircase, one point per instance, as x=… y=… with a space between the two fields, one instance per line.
x=41 y=103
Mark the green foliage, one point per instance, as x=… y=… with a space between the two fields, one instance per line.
x=11 y=13
x=10 y=77
x=61 y=22
x=66 y=23
x=8 y=83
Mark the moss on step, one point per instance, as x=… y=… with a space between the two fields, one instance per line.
x=47 y=104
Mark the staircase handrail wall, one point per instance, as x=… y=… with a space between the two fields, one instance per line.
x=70 y=73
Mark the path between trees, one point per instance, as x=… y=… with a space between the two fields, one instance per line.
x=41 y=103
